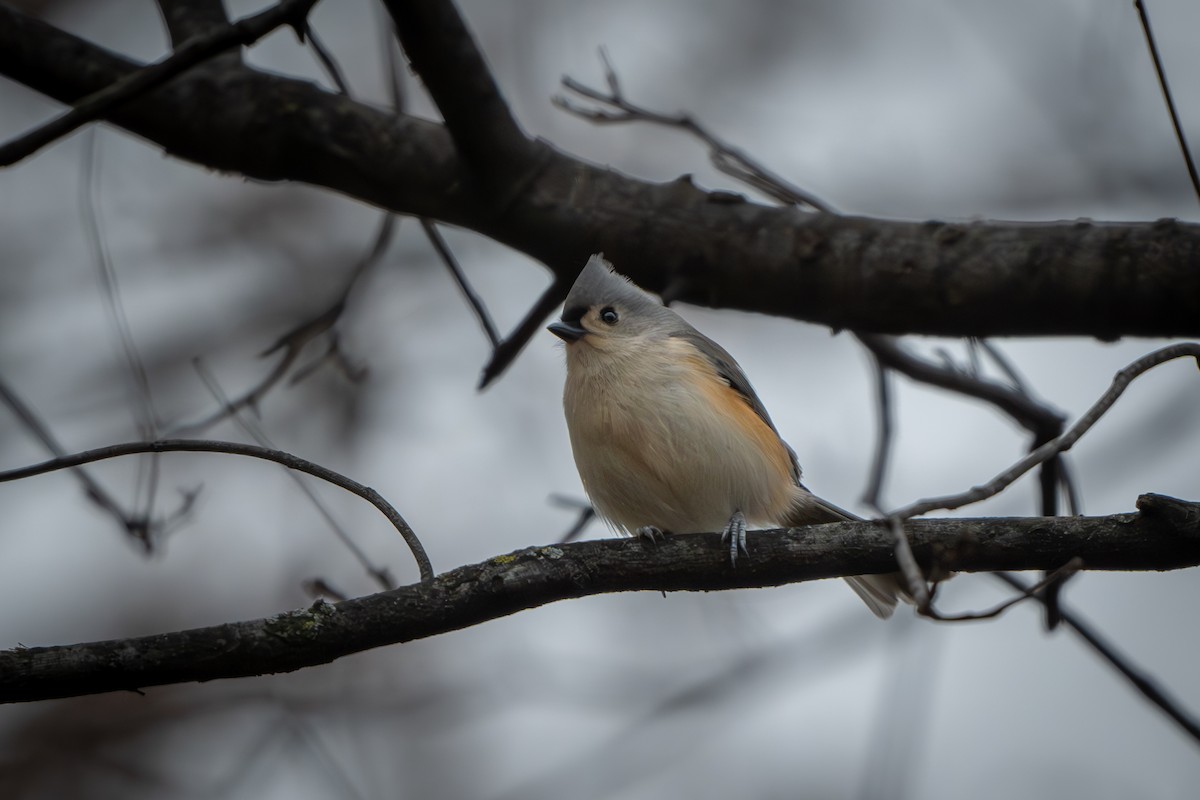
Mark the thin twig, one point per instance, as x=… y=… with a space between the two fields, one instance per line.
x=464 y=286
x=293 y=343
x=104 y=102
x=328 y=62
x=379 y=574
x=506 y=352
x=146 y=417
x=1006 y=366
x=1166 y=91
x=237 y=449
x=1141 y=681
x=1054 y=475
x=392 y=70
x=109 y=285
x=914 y=579
x=726 y=158
x=1067 y=478
x=1044 y=422
x=883 y=437
x=91 y=487
x=586 y=514
x=1038 y=591
x=1014 y=402
x=1060 y=444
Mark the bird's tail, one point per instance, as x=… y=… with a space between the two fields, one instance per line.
x=879 y=592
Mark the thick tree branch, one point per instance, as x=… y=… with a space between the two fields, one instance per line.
x=536 y=576
x=103 y=102
x=445 y=55
x=958 y=279
x=187 y=18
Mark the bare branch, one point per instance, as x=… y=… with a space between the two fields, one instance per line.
x=1044 y=422
x=507 y=351
x=883 y=438
x=586 y=513
x=1144 y=17
x=1017 y=404
x=1050 y=580
x=188 y=18
x=1000 y=279
x=1142 y=682
x=445 y=55
x=145 y=414
x=237 y=449
x=328 y=62
x=1177 y=513
x=914 y=578
x=293 y=342
x=535 y=576
x=464 y=286
x=1059 y=445
x=380 y=575
x=615 y=108
x=103 y=102
x=41 y=431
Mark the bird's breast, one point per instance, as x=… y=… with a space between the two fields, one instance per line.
x=663 y=440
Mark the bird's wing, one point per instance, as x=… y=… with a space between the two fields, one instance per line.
x=728 y=368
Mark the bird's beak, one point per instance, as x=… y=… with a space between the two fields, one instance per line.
x=565 y=331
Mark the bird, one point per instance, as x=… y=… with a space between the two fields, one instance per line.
x=668 y=434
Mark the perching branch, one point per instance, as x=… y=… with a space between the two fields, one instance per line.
x=536 y=576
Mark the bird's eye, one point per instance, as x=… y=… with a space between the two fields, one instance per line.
x=608 y=315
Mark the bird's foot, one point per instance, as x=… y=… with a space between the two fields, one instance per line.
x=735 y=534
x=650 y=534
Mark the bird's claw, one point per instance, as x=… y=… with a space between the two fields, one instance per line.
x=650 y=534
x=735 y=534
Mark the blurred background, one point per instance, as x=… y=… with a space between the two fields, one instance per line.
x=892 y=108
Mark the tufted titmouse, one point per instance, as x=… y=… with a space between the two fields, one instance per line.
x=667 y=432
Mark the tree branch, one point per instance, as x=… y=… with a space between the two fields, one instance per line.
x=194 y=51
x=536 y=576
x=1017 y=404
x=1166 y=92
x=237 y=449
x=1060 y=444
x=957 y=279
x=187 y=18
x=445 y=55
